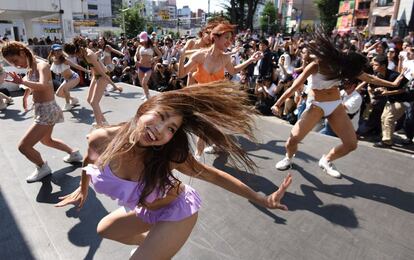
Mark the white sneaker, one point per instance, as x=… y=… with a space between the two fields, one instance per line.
x=210 y=149
x=74 y=101
x=329 y=167
x=106 y=92
x=67 y=107
x=73 y=157
x=39 y=173
x=145 y=98
x=133 y=252
x=284 y=164
x=109 y=87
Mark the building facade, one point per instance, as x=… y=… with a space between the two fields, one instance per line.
x=21 y=18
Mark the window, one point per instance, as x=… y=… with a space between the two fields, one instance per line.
x=382 y=21
x=385 y=2
x=364 y=5
x=361 y=22
x=93 y=7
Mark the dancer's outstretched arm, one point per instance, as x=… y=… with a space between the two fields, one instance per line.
x=232 y=184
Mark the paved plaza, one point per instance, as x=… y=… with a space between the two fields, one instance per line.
x=367 y=214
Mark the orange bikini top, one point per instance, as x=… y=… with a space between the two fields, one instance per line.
x=202 y=76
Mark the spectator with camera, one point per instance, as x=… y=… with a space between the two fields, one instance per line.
x=160 y=78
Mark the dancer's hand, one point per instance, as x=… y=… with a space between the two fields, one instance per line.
x=276 y=111
x=273 y=200
x=256 y=56
x=16 y=78
x=78 y=197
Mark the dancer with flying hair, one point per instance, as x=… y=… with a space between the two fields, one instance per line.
x=210 y=64
x=327 y=71
x=133 y=162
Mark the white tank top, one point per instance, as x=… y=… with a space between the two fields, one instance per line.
x=319 y=82
x=59 y=68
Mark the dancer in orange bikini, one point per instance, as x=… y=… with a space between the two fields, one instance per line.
x=211 y=63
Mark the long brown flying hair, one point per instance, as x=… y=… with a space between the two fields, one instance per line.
x=333 y=63
x=212 y=111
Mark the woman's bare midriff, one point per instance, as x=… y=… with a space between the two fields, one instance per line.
x=146 y=61
x=325 y=95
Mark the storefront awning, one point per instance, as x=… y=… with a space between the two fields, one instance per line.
x=383 y=11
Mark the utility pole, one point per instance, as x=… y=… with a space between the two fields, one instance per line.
x=123 y=16
x=61 y=21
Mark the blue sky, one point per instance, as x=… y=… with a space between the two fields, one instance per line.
x=202 y=4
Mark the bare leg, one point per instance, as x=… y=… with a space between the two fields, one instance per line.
x=343 y=128
x=143 y=80
x=171 y=235
x=34 y=134
x=123 y=227
x=63 y=90
x=55 y=143
x=95 y=94
x=302 y=128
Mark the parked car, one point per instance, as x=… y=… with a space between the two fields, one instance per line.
x=11 y=86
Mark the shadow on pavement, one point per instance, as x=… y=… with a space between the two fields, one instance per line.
x=12 y=243
x=83 y=234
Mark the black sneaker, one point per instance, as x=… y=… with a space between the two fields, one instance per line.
x=407 y=142
x=382 y=144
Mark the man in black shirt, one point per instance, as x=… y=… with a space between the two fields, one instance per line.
x=394 y=108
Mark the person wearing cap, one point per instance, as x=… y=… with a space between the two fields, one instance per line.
x=145 y=59
x=211 y=63
x=61 y=66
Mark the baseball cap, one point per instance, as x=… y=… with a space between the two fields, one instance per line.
x=56 y=47
x=143 y=37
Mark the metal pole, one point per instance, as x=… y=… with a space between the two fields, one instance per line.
x=61 y=21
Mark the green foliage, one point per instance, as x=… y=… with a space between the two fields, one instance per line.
x=133 y=22
x=328 y=10
x=108 y=34
x=268 y=18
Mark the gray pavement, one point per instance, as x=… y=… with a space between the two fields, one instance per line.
x=368 y=214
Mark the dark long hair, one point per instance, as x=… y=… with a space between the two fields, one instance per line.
x=211 y=111
x=80 y=45
x=333 y=63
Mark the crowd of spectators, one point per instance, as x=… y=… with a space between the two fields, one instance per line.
x=375 y=110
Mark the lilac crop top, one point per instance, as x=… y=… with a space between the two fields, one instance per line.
x=127 y=193
x=319 y=82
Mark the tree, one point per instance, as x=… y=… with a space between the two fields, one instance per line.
x=328 y=10
x=132 y=21
x=268 y=18
x=236 y=10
